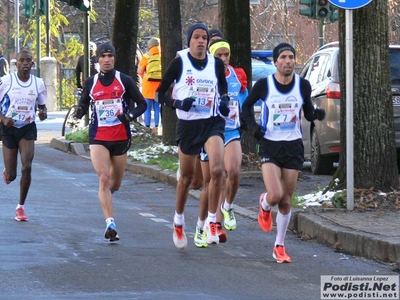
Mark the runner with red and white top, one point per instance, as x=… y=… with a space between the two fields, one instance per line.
x=110 y=94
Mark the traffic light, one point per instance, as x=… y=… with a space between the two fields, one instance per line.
x=333 y=15
x=28 y=11
x=310 y=11
x=322 y=10
x=83 y=5
x=42 y=7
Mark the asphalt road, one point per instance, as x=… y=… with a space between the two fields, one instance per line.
x=60 y=252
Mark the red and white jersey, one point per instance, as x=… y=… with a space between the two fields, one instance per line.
x=107 y=105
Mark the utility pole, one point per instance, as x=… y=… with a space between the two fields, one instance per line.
x=16 y=10
x=38 y=41
x=47 y=9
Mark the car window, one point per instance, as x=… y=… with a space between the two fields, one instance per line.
x=318 y=67
x=395 y=66
x=304 y=71
x=261 y=70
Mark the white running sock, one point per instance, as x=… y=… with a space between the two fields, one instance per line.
x=282 y=224
x=179 y=219
x=109 y=220
x=227 y=206
x=212 y=217
x=264 y=204
x=200 y=223
x=19 y=206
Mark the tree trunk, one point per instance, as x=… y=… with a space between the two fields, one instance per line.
x=235 y=24
x=169 y=16
x=126 y=25
x=374 y=141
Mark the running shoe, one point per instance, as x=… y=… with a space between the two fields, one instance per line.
x=264 y=217
x=179 y=237
x=280 y=255
x=211 y=230
x=221 y=234
x=200 y=238
x=20 y=215
x=111 y=232
x=6 y=181
x=229 y=218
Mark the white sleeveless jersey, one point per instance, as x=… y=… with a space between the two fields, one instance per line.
x=19 y=99
x=281 y=112
x=200 y=85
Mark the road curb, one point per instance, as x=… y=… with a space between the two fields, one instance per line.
x=376 y=247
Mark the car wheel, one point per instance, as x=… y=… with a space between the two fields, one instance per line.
x=320 y=165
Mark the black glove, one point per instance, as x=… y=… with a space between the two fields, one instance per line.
x=224 y=106
x=258 y=131
x=184 y=104
x=79 y=113
x=319 y=114
x=125 y=118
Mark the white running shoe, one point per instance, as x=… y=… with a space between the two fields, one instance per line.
x=211 y=230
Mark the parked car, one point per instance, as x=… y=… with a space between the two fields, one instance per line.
x=261 y=66
x=322 y=138
x=260 y=69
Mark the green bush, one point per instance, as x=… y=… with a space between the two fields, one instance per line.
x=79 y=136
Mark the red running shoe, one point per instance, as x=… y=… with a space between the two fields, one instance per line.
x=179 y=237
x=223 y=237
x=20 y=215
x=264 y=217
x=280 y=255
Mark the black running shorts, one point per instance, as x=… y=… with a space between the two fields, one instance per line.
x=192 y=135
x=12 y=135
x=116 y=148
x=284 y=154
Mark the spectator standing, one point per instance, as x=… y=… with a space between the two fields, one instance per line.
x=200 y=98
x=151 y=74
x=109 y=93
x=93 y=67
x=284 y=95
x=4 y=67
x=21 y=93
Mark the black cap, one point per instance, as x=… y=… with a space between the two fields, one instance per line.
x=215 y=32
x=280 y=48
x=105 y=48
x=193 y=28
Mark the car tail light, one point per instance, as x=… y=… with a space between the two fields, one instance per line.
x=333 y=90
x=335 y=148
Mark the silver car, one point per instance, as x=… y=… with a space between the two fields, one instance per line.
x=322 y=138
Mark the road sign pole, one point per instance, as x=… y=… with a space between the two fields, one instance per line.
x=349 y=110
x=349 y=5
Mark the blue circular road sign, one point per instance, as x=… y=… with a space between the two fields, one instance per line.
x=350 y=4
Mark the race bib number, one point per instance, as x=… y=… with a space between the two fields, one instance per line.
x=233 y=121
x=107 y=112
x=21 y=116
